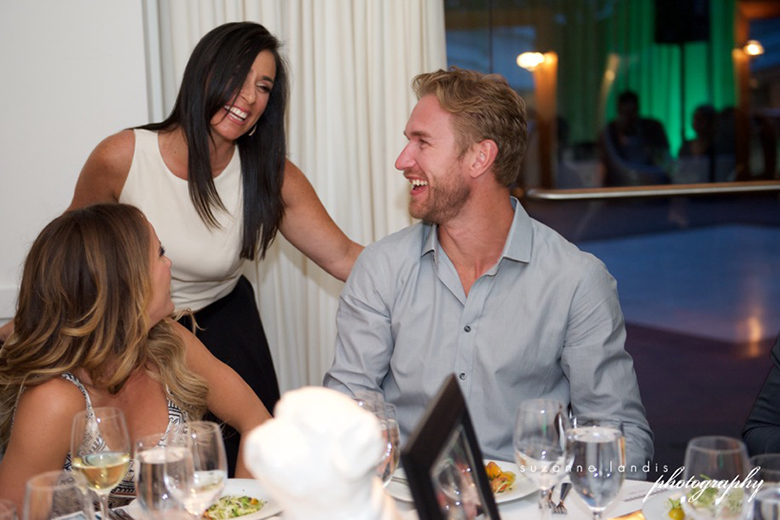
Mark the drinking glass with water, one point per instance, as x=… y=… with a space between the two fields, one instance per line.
x=598 y=468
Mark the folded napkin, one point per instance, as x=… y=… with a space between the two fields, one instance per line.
x=317 y=458
x=632 y=498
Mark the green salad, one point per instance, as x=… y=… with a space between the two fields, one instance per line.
x=233 y=507
x=730 y=506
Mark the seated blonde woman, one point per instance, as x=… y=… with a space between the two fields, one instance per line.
x=93 y=328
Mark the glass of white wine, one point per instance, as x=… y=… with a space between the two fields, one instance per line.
x=100 y=450
x=56 y=495
x=196 y=468
x=542 y=448
x=599 y=457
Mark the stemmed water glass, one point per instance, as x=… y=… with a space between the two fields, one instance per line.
x=196 y=468
x=599 y=458
x=541 y=445
x=457 y=491
x=767 y=468
x=100 y=450
x=369 y=400
x=391 y=437
x=385 y=413
x=56 y=495
x=766 y=504
x=720 y=459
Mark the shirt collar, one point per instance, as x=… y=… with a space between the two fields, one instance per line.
x=518 y=243
x=520 y=239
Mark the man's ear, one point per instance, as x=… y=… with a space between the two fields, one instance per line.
x=485 y=153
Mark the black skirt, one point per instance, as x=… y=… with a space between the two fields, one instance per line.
x=231 y=329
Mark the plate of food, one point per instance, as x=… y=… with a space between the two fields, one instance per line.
x=242 y=498
x=664 y=506
x=505 y=480
x=707 y=502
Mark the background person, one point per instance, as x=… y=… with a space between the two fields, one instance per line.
x=762 y=429
x=634 y=149
x=480 y=289
x=704 y=124
x=708 y=157
x=93 y=329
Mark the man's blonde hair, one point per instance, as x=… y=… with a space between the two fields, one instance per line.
x=485 y=107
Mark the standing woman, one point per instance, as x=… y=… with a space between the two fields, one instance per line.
x=214 y=180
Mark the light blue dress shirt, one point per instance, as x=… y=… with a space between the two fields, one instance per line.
x=545 y=321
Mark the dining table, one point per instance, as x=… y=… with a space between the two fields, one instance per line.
x=627 y=506
x=631 y=499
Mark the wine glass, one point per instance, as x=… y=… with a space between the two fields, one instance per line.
x=196 y=471
x=766 y=503
x=541 y=446
x=7 y=510
x=721 y=460
x=370 y=400
x=768 y=468
x=56 y=495
x=598 y=465
x=391 y=438
x=374 y=402
x=100 y=450
x=456 y=490
x=151 y=453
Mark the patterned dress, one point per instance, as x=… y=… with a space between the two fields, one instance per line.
x=125 y=491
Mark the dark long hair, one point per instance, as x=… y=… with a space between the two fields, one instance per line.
x=214 y=74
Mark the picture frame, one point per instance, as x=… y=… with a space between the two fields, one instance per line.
x=443 y=461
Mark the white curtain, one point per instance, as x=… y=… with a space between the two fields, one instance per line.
x=351 y=65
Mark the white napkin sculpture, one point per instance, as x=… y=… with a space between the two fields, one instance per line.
x=318 y=456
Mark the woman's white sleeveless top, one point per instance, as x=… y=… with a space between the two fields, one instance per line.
x=206 y=263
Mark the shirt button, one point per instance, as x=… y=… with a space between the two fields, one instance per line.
x=462 y=376
x=467 y=328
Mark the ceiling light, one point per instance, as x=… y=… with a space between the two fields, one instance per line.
x=530 y=60
x=753 y=48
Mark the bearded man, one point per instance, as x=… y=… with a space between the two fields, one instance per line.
x=480 y=289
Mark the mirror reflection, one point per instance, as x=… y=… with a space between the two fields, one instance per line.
x=633 y=92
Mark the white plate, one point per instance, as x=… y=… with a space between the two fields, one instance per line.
x=521 y=488
x=235 y=487
x=657 y=506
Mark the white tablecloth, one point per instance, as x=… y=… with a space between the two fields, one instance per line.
x=629 y=500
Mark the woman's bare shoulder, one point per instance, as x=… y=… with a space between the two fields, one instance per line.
x=193 y=346
x=105 y=172
x=52 y=397
x=40 y=435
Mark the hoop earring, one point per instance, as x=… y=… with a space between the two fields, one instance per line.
x=252 y=131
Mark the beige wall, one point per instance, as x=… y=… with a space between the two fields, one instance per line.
x=72 y=73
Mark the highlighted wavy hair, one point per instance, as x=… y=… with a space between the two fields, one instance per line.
x=82 y=304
